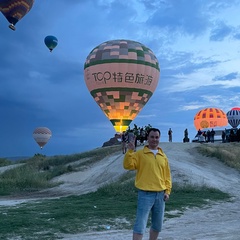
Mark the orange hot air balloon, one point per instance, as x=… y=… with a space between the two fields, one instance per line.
x=121 y=76
x=41 y=135
x=210 y=118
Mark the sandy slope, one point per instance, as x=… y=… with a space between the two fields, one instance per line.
x=220 y=221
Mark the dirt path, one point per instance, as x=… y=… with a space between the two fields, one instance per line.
x=218 y=222
x=107 y=170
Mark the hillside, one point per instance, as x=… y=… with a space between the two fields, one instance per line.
x=221 y=221
x=187 y=165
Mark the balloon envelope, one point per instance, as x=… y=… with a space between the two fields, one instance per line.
x=233 y=117
x=121 y=76
x=236 y=108
x=210 y=118
x=41 y=135
x=51 y=42
x=14 y=10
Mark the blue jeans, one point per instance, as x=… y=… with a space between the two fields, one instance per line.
x=149 y=201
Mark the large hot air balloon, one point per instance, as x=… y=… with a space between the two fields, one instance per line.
x=210 y=118
x=14 y=10
x=41 y=135
x=51 y=42
x=233 y=117
x=121 y=76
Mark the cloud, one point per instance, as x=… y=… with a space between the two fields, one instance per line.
x=181 y=17
x=236 y=34
x=209 y=99
x=229 y=76
x=198 y=80
x=191 y=106
x=185 y=62
x=220 y=32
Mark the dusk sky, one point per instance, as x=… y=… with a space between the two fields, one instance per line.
x=196 y=42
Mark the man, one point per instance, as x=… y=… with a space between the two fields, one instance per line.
x=153 y=181
x=212 y=135
x=186 y=139
x=170 y=135
x=199 y=134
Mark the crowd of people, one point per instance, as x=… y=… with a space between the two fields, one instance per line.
x=206 y=136
x=232 y=135
x=136 y=134
x=140 y=135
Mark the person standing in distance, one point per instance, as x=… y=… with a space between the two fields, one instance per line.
x=170 y=135
x=124 y=138
x=153 y=181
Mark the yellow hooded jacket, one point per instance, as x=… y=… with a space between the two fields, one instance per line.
x=153 y=171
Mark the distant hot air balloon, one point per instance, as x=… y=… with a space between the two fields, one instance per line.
x=51 y=42
x=14 y=10
x=121 y=76
x=41 y=135
x=233 y=117
x=210 y=118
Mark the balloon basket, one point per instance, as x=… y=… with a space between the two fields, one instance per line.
x=11 y=26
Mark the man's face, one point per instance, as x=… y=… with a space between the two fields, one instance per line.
x=153 y=139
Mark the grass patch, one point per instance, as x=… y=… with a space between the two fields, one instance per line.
x=228 y=153
x=23 y=179
x=4 y=162
x=36 y=172
x=112 y=205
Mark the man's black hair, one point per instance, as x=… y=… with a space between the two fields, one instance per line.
x=153 y=130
